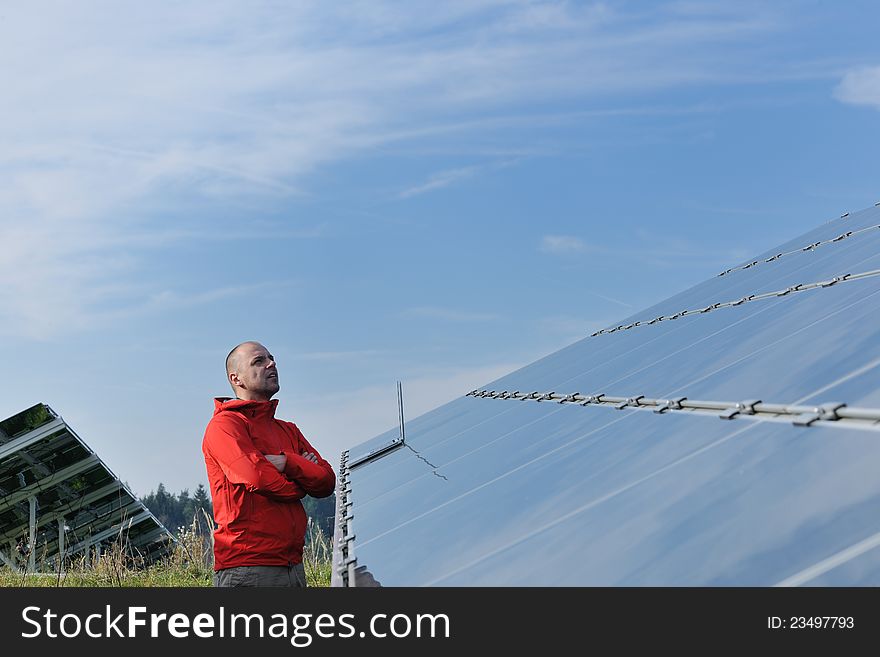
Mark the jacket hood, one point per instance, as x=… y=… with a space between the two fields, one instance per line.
x=245 y=406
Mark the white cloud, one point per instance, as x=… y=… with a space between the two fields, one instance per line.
x=439 y=180
x=860 y=87
x=114 y=111
x=562 y=244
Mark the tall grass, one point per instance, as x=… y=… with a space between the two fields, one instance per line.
x=190 y=563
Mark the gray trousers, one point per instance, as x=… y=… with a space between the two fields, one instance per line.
x=262 y=576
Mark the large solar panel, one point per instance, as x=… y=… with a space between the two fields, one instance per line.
x=59 y=501
x=729 y=435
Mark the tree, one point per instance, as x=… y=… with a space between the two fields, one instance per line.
x=201 y=499
x=322 y=512
x=178 y=511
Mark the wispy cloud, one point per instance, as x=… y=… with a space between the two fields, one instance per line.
x=114 y=116
x=175 y=300
x=562 y=244
x=448 y=314
x=110 y=303
x=451 y=176
x=439 y=180
x=648 y=248
x=860 y=87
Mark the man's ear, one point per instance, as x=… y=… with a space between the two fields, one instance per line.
x=234 y=380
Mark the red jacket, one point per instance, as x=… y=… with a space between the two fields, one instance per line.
x=260 y=520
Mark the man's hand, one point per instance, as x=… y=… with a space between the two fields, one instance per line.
x=310 y=457
x=278 y=460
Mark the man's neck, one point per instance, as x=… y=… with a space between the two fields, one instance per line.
x=251 y=397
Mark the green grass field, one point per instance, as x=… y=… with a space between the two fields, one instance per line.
x=189 y=564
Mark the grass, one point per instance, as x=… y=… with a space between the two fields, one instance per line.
x=190 y=564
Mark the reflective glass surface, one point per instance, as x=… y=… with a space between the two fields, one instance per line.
x=647 y=500
x=508 y=492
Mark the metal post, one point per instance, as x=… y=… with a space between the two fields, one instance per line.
x=32 y=535
x=400 y=412
x=60 y=543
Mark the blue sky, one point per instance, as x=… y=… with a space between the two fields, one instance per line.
x=436 y=192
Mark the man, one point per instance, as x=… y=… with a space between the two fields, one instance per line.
x=259 y=468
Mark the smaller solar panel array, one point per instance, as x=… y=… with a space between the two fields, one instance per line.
x=59 y=501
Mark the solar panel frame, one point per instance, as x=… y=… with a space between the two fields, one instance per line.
x=59 y=499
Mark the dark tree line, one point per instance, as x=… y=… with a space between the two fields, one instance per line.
x=176 y=511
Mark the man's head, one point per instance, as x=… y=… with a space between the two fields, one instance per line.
x=251 y=372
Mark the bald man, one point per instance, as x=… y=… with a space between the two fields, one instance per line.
x=259 y=468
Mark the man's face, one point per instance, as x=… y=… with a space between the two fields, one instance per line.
x=255 y=371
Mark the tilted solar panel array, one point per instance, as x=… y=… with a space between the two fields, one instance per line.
x=729 y=435
x=57 y=496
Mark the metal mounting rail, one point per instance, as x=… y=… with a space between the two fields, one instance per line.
x=808 y=247
x=346 y=563
x=799 y=415
x=752 y=297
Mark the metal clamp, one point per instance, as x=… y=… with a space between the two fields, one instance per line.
x=825 y=412
x=569 y=398
x=632 y=401
x=741 y=408
x=592 y=399
x=834 y=281
x=670 y=405
x=789 y=290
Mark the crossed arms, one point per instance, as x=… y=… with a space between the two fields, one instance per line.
x=283 y=477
